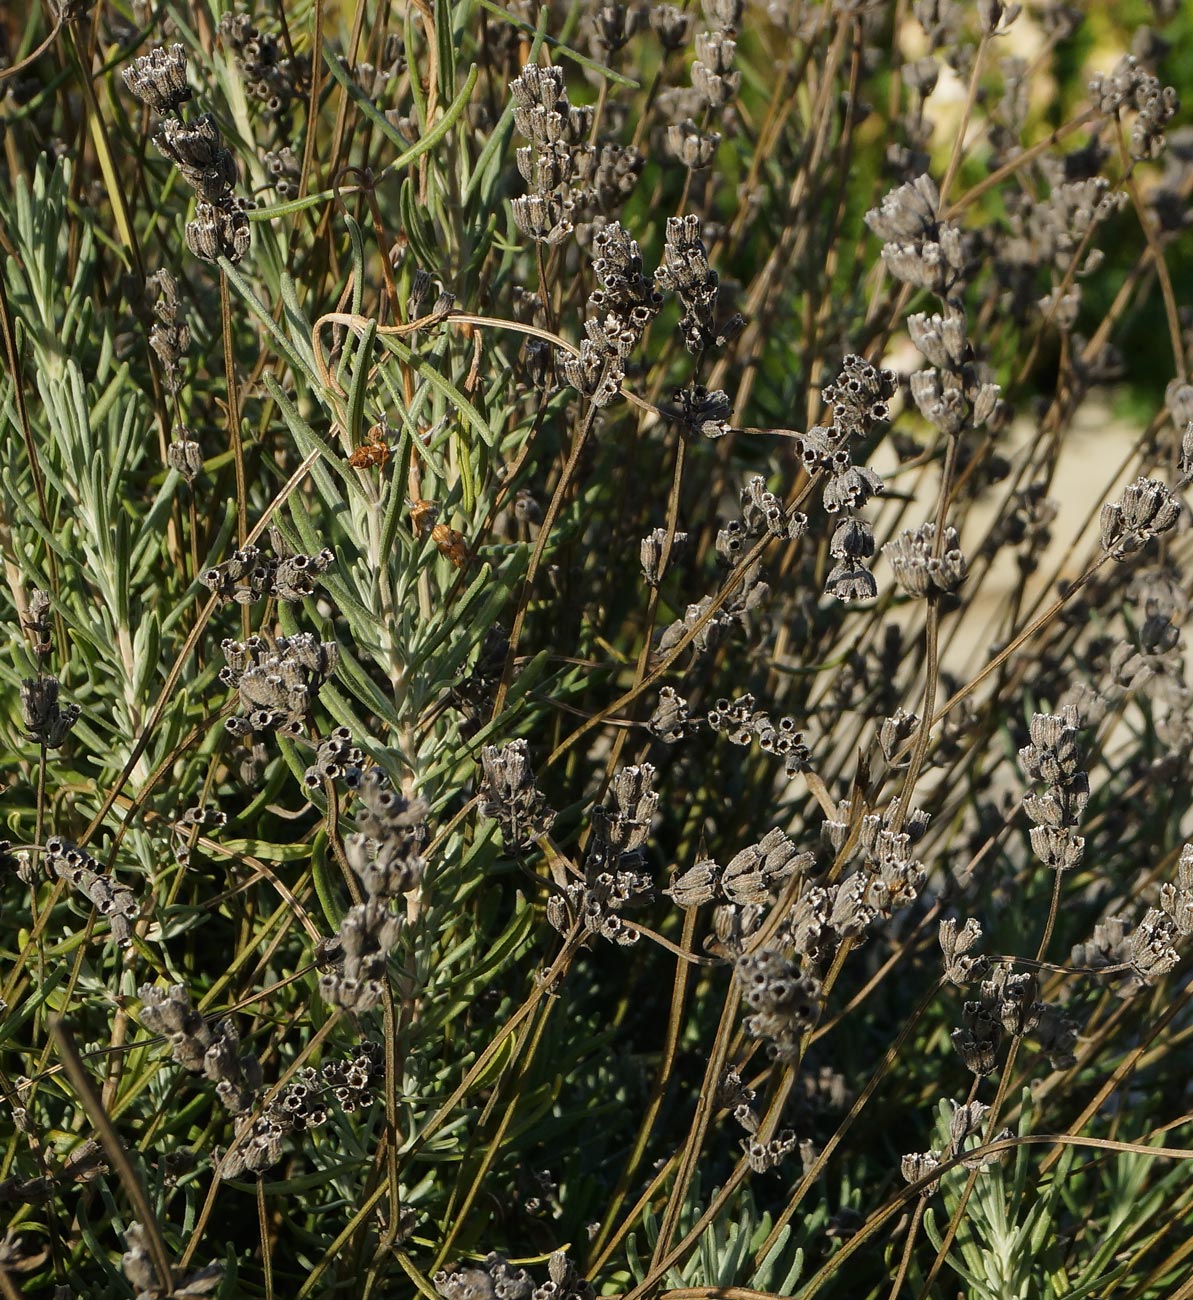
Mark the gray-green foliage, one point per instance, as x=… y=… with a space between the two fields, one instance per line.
x=1024 y=1236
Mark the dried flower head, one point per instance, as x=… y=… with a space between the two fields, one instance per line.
x=1146 y=510
x=159 y=79
x=200 y=1048
x=671 y=720
x=918 y=1165
x=917 y=566
x=276 y=684
x=47 y=721
x=367 y=935
x=959 y=967
x=36 y=621
x=217 y=232
x=544 y=218
x=692 y=146
x=509 y=796
x=248 y=575
x=752 y=875
x=269 y=75
x=112 y=900
x=337 y=759
x=615 y=877
x=671 y=25
x=391 y=829
x=185 y=455
x=783 y=1001
x=651 y=553
x=699 y=412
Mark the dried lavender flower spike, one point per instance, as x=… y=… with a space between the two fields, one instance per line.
x=46 y=720
x=337 y=759
x=895 y=732
x=158 y=79
x=367 y=935
x=959 y=967
x=509 y=796
x=671 y=25
x=671 y=720
x=701 y=413
x=723 y=15
x=391 y=830
x=917 y=569
x=651 y=553
x=919 y=1165
x=783 y=1001
x=693 y=147
x=185 y=455
x=698 y=885
x=1147 y=509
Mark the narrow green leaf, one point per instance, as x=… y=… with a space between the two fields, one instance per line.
x=296 y=205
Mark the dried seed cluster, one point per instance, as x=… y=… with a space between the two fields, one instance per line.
x=783 y=1000
x=615 y=876
x=1132 y=87
x=384 y=853
x=685 y=272
x=269 y=75
x=955 y=393
x=1147 y=510
x=619 y=310
x=960 y=967
x=968 y=1120
x=509 y=796
x=917 y=566
x=762 y=515
x=558 y=133
x=751 y=876
x=762 y=1156
x=142 y=1272
x=303 y=1104
x=193 y=819
x=337 y=759
x=494 y=1278
x=858 y=400
x=1053 y=757
x=169 y=335
x=740 y=721
x=247 y=575
x=115 y=902
x=184 y=454
x=651 y=553
x=47 y=720
x=276 y=683
x=1141 y=953
x=198 y=1047
x=671 y=720
x=1006 y=1005
x=220 y=227
x=285 y=171
x=919 y=248
x=391 y=829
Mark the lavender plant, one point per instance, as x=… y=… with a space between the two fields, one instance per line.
x=591 y=708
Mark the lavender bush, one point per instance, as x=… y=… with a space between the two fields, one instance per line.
x=572 y=727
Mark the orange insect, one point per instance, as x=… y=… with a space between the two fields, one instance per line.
x=373 y=453
x=450 y=543
x=423 y=515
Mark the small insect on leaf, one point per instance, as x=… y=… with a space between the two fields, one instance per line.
x=424 y=516
x=451 y=543
x=374 y=452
